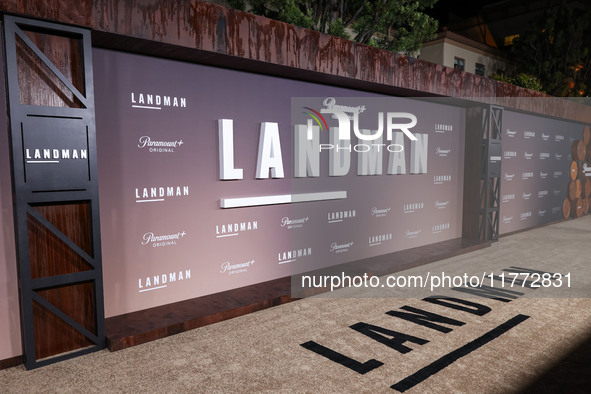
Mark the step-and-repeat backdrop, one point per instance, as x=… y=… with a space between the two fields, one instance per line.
x=213 y=179
x=536 y=169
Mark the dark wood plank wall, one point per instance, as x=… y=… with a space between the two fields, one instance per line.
x=37 y=84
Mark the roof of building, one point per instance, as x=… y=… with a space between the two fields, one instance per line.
x=450 y=37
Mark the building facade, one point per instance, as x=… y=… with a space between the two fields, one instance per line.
x=459 y=52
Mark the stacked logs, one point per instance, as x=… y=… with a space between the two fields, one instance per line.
x=579 y=189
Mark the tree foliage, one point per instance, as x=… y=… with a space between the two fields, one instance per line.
x=556 y=49
x=524 y=80
x=397 y=25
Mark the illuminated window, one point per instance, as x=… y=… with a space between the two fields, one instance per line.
x=479 y=69
x=510 y=39
x=459 y=63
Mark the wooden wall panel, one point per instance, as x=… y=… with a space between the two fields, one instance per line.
x=50 y=256
x=37 y=84
x=72 y=219
x=52 y=334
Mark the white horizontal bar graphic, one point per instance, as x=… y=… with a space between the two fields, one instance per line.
x=226 y=235
x=154 y=200
x=145 y=107
x=153 y=288
x=281 y=199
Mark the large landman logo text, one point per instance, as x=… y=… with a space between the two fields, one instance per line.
x=307 y=147
x=405 y=342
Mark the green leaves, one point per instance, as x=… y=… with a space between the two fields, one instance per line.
x=396 y=25
x=524 y=80
x=556 y=49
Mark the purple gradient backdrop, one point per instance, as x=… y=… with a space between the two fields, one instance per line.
x=249 y=99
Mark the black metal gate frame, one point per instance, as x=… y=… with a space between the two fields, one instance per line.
x=26 y=194
x=490 y=180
